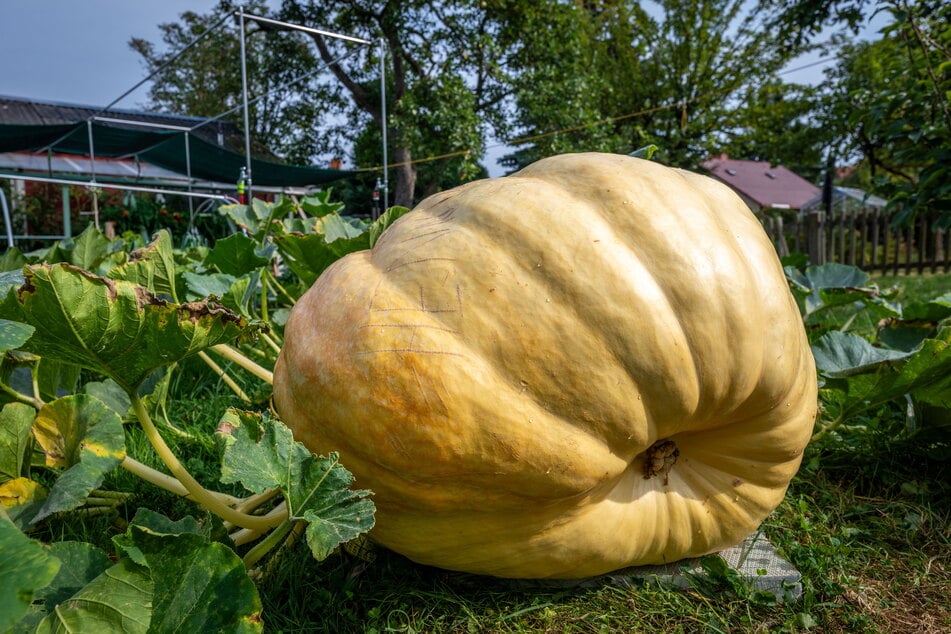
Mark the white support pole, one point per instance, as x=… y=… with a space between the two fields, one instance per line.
x=386 y=171
x=244 y=97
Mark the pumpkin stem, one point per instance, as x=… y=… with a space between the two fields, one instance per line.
x=659 y=458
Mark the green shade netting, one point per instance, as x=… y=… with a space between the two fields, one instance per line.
x=166 y=149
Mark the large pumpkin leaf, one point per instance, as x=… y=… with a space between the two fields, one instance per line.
x=25 y=567
x=120 y=329
x=13 y=334
x=82 y=563
x=83 y=435
x=198 y=586
x=382 y=223
x=155 y=523
x=16 y=420
x=203 y=285
x=829 y=285
x=235 y=255
x=152 y=266
x=316 y=488
x=118 y=600
x=865 y=376
x=308 y=255
x=88 y=249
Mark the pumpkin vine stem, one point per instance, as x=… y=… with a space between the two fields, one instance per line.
x=244 y=362
x=196 y=491
x=224 y=376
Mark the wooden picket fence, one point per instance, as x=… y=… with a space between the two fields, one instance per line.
x=864 y=237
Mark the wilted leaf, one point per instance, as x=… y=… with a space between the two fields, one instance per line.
x=315 y=488
x=198 y=586
x=83 y=435
x=20 y=491
x=16 y=419
x=114 y=327
x=118 y=600
x=152 y=266
x=24 y=568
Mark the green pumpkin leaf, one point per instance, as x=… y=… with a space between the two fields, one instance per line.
x=56 y=378
x=235 y=255
x=13 y=334
x=12 y=259
x=16 y=420
x=382 y=223
x=866 y=377
x=204 y=285
x=114 y=327
x=83 y=435
x=841 y=354
x=112 y=394
x=89 y=249
x=308 y=255
x=82 y=563
x=834 y=284
x=199 y=586
x=316 y=488
x=152 y=266
x=25 y=568
x=118 y=600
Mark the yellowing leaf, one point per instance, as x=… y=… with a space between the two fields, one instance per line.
x=19 y=491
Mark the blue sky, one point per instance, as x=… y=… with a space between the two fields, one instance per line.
x=76 y=51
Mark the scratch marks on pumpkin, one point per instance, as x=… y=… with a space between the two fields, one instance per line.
x=424 y=306
x=398 y=265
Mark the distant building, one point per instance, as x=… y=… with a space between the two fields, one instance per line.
x=847 y=200
x=761 y=185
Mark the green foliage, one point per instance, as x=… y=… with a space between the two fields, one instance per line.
x=895 y=96
x=89 y=361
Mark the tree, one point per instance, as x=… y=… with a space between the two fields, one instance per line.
x=894 y=94
x=673 y=77
x=784 y=124
x=444 y=81
x=206 y=80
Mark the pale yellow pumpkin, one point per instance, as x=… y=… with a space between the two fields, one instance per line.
x=590 y=364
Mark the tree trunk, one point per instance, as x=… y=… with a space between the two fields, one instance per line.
x=405 y=177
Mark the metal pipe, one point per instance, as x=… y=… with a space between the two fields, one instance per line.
x=144 y=124
x=8 y=223
x=188 y=171
x=306 y=29
x=386 y=172
x=244 y=97
x=131 y=188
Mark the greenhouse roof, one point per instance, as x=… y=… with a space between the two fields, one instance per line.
x=176 y=150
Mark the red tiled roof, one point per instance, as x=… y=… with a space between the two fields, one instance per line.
x=764 y=184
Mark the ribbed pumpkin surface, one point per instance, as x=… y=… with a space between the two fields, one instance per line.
x=590 y=364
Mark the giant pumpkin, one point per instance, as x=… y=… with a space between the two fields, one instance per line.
x=590 y=364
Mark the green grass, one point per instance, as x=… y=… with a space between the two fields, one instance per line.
x=867 y=521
